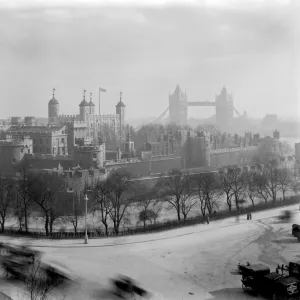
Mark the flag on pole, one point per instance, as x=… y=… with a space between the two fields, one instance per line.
x=102 y=90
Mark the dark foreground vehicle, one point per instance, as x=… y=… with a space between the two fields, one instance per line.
x=126 y=287
x=259 y=279
x=296 y=231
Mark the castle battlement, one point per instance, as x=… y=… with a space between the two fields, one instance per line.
x=226 y=150
x=63 y=116
x=87 y=148
x=18 y=143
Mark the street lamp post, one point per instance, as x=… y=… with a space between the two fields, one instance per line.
x=86 y=236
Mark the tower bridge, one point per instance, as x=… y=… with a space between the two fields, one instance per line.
x=178 y=109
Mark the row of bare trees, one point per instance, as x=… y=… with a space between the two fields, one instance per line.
x=32 y=192
x=183 y=191
x=112 y=198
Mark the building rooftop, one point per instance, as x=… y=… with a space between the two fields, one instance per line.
x=34 y=128
x=120 y=104
x=53 y=101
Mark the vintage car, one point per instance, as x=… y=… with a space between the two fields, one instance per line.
x=252 y=276
x=275 y=285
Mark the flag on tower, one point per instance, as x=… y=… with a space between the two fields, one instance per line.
x=102 y=90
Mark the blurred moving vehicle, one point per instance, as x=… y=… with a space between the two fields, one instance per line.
x=125 y=286
x=20 y=262
x=285 y=216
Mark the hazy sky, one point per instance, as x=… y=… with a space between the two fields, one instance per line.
x=251 y=47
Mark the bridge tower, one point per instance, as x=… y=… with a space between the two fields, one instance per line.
x=224 y=110
x=178 y=107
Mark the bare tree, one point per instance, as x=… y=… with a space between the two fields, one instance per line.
x=227 y=187
x=208 y=189
x=260 y=184
x=285 y=148
x=122 y=194
x=74 y=211
x=46 y=191
x=6 y=199
x=101 y=202
x=156 y=208
x=176 y=189
x=284 y=181
x=146 y=204
x=271 y=175
x=239 y=184
x=24 y=203
x=251 y=187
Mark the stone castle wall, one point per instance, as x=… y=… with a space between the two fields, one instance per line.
x=225 y=157
x=143 y=167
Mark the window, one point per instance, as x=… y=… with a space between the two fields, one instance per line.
x=28 y=150
x=21 y=150
x=63 y=140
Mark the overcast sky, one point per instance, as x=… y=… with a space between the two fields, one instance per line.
x=251 y=47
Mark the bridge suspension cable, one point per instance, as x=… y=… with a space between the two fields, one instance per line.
x=157 y=120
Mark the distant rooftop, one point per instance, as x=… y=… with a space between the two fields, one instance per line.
x=34 y=128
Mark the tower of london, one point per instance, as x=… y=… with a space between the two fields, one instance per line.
x=88 y=126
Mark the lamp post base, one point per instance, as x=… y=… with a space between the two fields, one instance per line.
x=86 y=239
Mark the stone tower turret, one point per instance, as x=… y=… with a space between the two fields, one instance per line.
x=84 y=108
x=120 y=111
x=91 y=105
x=53 y=109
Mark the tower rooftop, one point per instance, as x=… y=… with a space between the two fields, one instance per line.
x=53 y=100
x=84 y=102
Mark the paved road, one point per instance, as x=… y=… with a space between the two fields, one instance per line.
x=186 y=263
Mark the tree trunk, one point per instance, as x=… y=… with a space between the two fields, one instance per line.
x=51 y=226
x=116 y=227
x=283 y=194
x=252 y=200
x=75 y=224
x=178 y=214
x=237 y=201
x=2 y=226
x=47 y=225
x=144 y=221
x=25 y=220
x=106 y=229
x=229 y=203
